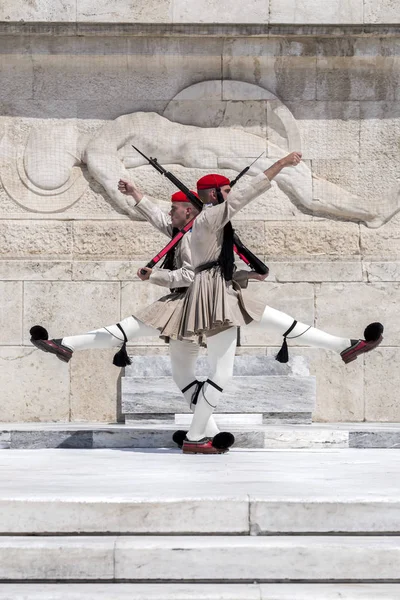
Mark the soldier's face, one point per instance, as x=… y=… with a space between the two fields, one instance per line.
x=225 y=189
x=179 y=214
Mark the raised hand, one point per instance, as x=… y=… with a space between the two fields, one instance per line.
x=292 y=159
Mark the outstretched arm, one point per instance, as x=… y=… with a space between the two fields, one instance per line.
x=217 y=216
x=150 y=211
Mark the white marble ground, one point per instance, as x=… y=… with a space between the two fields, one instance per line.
x=199 y=591
x=329 y=474
x=255 y=492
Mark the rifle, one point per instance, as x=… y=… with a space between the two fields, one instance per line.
x=241 y=250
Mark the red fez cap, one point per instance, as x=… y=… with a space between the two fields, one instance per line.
x=181 y=196
x=212 y=181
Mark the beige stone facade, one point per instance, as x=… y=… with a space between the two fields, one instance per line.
x=68 y=260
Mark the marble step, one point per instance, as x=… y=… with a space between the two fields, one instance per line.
x=199 y=591
x=248 y=429
x=259 y=364
x=244 y=394
x=235 y=559
x=193 y=514
x=260 y=385
x=159 y=492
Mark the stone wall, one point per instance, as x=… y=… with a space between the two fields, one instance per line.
x=74 y=269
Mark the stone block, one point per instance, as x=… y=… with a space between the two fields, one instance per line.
x=366 y=70
x=34 y=239
x=11 y=312
x=170 y=591
x=384 y=11
x=110 y=11
x=381 y=383
x=382 y=243
x=16 y=70
x=30 y=379
x=115 y=270
x=374 y=439
x=287 y=68
x=340 y=387
x=254 y=394
x=41 y=558
x=252 y=233
x=328 y=129
x=320 y=516
x=51 y=439
x=380 y=130
x=211 y=11
x=134 y=438
x=296 y=299
x=116 y=70
x=306 y=438
x=373 y=183
x=70 y=307
x=319 y=238
x=5 y=440
x=119 y=240
x=382 y=271
x=28 y=270
x=94 y=386
x=43 y=10
x=312 y=11
x=315 y=271
x=137 y=295
x=160 y=366
x=346 y=309
x=244 y=558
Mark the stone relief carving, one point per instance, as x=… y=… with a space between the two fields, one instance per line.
x=44 y=173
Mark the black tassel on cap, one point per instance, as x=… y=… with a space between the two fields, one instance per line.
x=38 y=333
x=121 y=358
x=373 y=331
x=283 y=354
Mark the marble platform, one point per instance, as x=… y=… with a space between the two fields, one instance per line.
x=260 y=386
x=153 y=434
x=114 y=524
x=199 y=591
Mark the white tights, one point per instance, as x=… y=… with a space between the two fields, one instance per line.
x=109 y=337
x=220 y=353
x=274 y=320
x=183 y=354
x=183 y=363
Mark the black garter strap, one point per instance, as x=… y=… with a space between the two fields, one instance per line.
x=220 y=389
x=293 y=325
x=195 y=395
x=185 y=389
x=123 y=332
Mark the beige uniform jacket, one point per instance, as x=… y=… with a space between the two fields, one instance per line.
x=183 y=275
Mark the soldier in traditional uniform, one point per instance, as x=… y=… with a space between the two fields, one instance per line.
x=214 y=305
x=157 y=319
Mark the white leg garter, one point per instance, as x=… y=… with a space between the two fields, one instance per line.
x=183 y=362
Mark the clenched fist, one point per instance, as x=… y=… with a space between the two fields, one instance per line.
x=129 y=189
x=292 y=159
